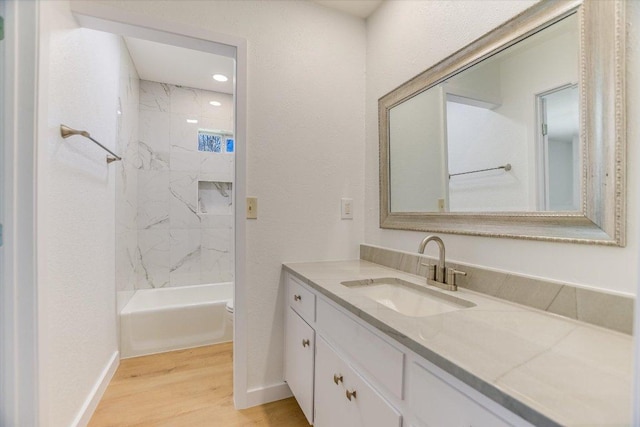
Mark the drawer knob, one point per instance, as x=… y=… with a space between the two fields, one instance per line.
x=297 y=297
x=306 y=343
x=337 y=378
x=351 y=394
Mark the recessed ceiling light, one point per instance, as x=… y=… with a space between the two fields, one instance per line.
x=192 y=121
x=215 y=103
x=220 y=77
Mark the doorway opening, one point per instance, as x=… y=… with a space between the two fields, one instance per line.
x=174 y=197
x=204 y=194
x=559 y=149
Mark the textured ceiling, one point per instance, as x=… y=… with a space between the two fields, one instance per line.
x=163 y=63
x=359 y=8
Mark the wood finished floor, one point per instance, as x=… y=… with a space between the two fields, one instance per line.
x=185 y=388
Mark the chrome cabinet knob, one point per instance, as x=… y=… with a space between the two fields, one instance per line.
x=306 y=343
x=351 y=394
x=297 y=297
x=337 y=378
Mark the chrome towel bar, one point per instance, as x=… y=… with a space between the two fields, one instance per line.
x=66 y=132
x=506 y=167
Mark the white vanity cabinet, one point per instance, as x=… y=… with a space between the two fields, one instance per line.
x=344 y=398
x=300 y=344
x=436 y=403
x=301 y=299
x=300 y=350
x=352 y=375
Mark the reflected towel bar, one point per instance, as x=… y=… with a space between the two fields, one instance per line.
x=506 y=167
x=66 y=132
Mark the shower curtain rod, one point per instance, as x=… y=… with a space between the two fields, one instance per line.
x=66 y=132
x=506 y=167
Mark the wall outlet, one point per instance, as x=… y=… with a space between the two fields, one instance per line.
x=252 y=208
x=346 y=208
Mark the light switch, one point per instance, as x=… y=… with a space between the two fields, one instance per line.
x=440 y=205
x=346 y=209
x=252 y=208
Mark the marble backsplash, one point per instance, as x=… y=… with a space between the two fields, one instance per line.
x=598 y=308
x=170 y=240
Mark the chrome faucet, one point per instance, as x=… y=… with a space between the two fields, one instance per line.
x=440 y=275
x=435 y=272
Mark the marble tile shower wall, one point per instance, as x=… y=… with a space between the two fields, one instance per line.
x=179 y=243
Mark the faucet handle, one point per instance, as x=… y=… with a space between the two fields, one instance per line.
x=451 y=275
x=431 y=272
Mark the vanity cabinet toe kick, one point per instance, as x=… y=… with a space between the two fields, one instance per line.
x=344 y=372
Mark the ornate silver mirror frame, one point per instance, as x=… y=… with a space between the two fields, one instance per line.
x=602 y=131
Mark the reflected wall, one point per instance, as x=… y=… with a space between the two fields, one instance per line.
x=449 y=145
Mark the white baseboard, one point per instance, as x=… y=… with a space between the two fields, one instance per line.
x=92 y=400
x=262 y=395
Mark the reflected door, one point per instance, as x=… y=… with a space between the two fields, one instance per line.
x=559 y=165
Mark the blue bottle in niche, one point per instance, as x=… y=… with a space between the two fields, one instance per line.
x=230 y=145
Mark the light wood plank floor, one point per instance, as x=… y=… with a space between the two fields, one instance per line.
x=185 y=388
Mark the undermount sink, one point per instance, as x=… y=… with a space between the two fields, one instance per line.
x=407 y=298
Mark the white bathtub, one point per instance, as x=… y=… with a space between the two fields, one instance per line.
x=157 y=320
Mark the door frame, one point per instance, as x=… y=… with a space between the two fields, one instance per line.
x=18 y=286
x=117 y=21
x=542 y=146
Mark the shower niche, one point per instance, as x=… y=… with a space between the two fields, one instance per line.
x=215 y=197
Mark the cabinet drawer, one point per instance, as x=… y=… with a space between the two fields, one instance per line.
x=437 y=403
x=334 y=379
x=377 y=358
x=301 y=299
x=299 y=361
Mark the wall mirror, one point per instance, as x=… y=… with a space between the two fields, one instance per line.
x=519 y=134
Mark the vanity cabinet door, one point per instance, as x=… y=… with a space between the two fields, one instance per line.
x=331 y=408
x=344 y=398
x=436 y=403
x=299 y=360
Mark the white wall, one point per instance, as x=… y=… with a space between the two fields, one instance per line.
x=305 y=142
x=406 y=37
x=417 y=153
x=78 y=86
x=560 y=42
x=479 y=138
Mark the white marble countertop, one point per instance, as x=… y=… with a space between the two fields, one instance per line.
x=548 y=369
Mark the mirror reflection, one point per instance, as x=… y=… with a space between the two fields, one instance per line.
x=500 y=136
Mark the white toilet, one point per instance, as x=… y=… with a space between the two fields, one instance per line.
x=229 y=316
